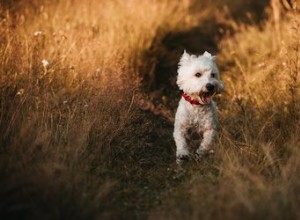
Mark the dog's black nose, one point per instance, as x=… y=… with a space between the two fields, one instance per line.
x=210 y=87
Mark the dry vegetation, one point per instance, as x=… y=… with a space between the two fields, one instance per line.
x=87 y=90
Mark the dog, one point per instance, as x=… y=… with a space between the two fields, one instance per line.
x=199 y=80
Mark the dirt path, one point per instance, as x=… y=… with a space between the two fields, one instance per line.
x=155 y=175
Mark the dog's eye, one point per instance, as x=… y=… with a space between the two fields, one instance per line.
x=198 y=74
x=213 y=75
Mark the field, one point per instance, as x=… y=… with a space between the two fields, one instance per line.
x=88 y=98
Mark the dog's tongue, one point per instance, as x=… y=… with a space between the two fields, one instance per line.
x=206 y=98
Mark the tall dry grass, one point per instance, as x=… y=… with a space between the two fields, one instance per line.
x=69 y=76
x=75 y=144
x=255 y=173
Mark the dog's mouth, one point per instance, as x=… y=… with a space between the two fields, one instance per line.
x=206 y=97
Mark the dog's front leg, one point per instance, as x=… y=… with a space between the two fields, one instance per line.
x=206 y=143
x=182 y=153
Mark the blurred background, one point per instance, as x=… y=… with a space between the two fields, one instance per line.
x=88 y=96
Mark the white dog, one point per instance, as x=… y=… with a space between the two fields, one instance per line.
x=199 y=79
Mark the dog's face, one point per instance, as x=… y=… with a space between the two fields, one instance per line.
x=198 y=76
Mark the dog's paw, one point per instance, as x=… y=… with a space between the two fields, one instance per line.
x=182 y=157
x=202 y=153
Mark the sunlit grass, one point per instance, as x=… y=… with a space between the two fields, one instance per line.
x=75 y=143
x=253 y=174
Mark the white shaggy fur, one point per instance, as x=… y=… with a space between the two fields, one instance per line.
x=197 y=75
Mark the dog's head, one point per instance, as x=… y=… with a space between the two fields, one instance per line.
x=199 y=76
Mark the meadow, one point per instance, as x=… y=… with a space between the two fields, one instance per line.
x=88 y=98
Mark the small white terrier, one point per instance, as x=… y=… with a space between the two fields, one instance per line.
x=199 y=80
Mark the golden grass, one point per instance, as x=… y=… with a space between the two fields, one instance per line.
x=69 y=81
x=76 y=145
x=254 y=172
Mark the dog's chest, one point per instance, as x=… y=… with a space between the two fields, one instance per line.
x=201 y=118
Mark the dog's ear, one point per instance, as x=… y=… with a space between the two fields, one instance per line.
x=208 y=55
x=185 y=58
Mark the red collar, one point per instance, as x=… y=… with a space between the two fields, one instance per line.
x=189 y=99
